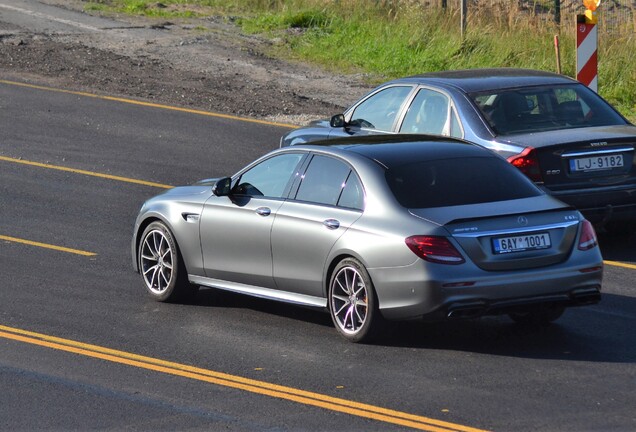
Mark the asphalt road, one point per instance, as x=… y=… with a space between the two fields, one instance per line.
x=83 y=347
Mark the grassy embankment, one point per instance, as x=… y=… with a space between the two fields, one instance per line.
x=391 y=38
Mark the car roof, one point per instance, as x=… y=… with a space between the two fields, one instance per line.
x=396 y=150
x=475 y=80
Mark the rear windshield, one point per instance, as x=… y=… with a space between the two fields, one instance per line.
x=452 y=182
x=544 y=108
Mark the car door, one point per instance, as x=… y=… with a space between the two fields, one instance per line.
x=235 y=229
x=327 y=202
x=377 y=113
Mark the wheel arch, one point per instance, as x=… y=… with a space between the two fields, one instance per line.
x=332 y=265
x=141 y=227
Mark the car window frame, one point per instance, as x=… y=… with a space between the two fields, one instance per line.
x=452 y=111
x=300 y=167
x=353 y=173
x=293 y=193
x=349 y=112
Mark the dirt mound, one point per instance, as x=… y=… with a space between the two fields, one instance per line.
x=203 y=64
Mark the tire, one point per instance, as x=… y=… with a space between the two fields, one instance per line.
x=353 y=302
x=161 y=266
x=539 y=315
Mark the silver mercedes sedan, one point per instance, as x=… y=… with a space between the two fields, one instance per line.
x=372 y=229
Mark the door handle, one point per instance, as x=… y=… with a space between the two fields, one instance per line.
x=263 y=211
x=331 y=224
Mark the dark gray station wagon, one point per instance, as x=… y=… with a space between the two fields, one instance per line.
x=561 y=134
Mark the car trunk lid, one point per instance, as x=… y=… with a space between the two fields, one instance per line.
x=584 y=157
x=540 y=232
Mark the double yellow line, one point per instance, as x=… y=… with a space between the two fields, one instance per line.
x=226 y=380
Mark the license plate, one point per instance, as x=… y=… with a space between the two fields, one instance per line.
x=502 y=245
x=595 y=163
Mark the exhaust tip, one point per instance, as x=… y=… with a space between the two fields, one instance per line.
x=465 y=311
x=586 y=297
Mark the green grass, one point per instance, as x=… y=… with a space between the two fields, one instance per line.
x=158 y=8
x=386 y=39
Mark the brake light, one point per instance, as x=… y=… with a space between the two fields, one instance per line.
x=528 y=163
x=588 y=239
x=434 y=249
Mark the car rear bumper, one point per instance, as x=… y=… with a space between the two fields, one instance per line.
x=466 y=291
x=473 y=309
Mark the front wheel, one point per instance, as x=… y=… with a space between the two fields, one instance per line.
x=161 y=265
x=353 y=303
x=539 y=315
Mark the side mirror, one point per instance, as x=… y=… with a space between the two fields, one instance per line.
x=337 y=121
x=222 y=187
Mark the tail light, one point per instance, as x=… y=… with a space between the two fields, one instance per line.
x=588 y=239
x=434 y=249
x=527 y=163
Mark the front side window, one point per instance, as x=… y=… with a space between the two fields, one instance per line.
x=270 y=178
x=428 y=114
x=329 y=181
x=380 y=110
x=544 y=108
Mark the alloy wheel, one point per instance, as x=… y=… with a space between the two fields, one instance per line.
x=349 y=300
x=157 y=258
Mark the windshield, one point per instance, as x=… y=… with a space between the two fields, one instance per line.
x=458 y=181
x=544 y=108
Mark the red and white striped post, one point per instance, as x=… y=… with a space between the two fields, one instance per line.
x=587 y=46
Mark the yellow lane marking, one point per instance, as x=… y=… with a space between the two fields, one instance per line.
x=620 y=264
x=165 y=186
x=46 y=246
x=237 y=382
x=88 y=173
x=150 y=104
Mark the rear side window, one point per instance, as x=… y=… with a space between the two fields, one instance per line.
x=331 y=182
x=428 y=114
x=352 y=194
x=452 y=182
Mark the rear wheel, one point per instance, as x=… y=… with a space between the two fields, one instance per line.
x=161 y=265
x=538 y=315
x=353 y=303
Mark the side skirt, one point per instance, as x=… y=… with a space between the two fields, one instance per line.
x=255 y=291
